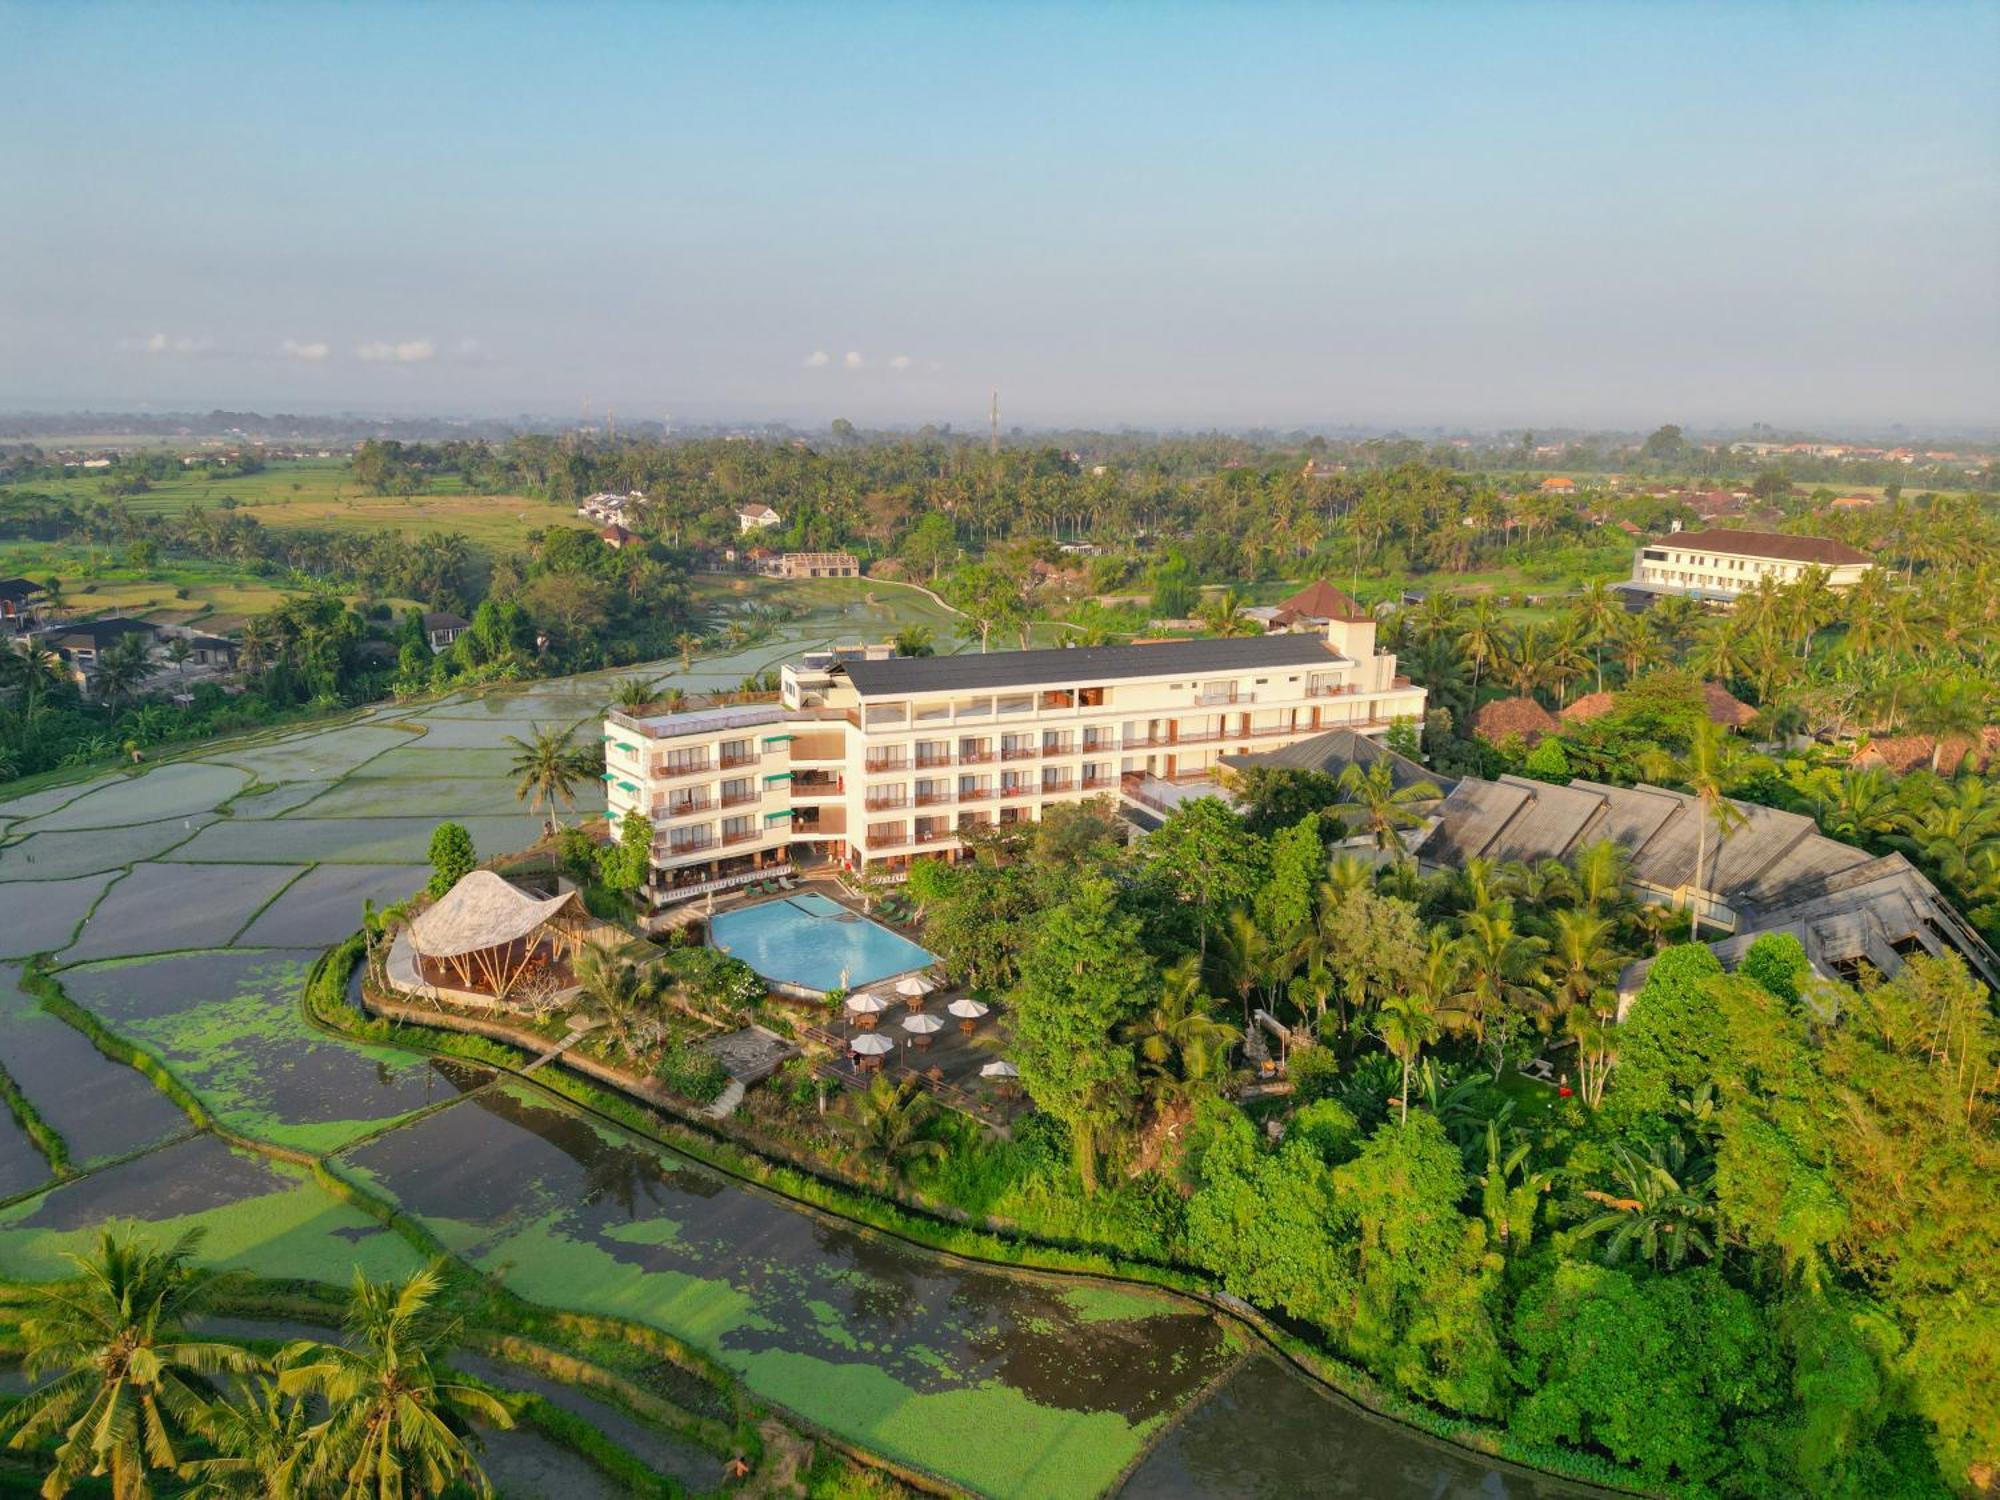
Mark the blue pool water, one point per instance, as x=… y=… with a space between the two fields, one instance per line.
x=809 y=940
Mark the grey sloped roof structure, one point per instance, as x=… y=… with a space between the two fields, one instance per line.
x=1771 y=871
x=1336 y=750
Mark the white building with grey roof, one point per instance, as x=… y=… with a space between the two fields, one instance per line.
x=869 y=760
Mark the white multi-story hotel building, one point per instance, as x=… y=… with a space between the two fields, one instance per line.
x=868 y=759
x=1718 y=564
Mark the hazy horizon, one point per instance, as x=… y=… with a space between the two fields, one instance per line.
x=1178 y=217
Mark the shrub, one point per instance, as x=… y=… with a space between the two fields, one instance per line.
x=452 y=856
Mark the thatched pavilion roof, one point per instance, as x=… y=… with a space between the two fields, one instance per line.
x=483 y=911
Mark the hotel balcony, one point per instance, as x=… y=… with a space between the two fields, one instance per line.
x=1020 y=752
x=746 y=836
x=683 y=807
x=730 y=762
x=882 y=801
x=1050 y=788
x=742 y=800
x=931 y=799
x=677 y=770
x=813 y=785
x=885 y=763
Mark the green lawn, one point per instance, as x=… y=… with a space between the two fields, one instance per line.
x=323 y=494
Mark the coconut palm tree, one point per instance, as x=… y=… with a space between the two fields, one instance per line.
x=1180 y=1041
x=260 y=1446
x=122 y=668
x=1946 y=709
x=1482 y=637
x=632 y=693
x=891 y=1123
x=624 y=995
x=393 y=1427
x=1590 y=1027
x=1581 y=955
x=1385 y=808
x=128 y=1389
x=1599 y=870
x=1706 y=768
x=1504 y=969
x=1598 y=614
x=547 y=769
x=1407 y=1023
x=687 y=643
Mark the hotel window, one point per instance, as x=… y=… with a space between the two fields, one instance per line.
x=736 y=830
x=681 y=762
x=737 y=752
x=1090 y=697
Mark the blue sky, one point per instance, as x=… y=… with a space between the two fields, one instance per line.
x=1420 y=213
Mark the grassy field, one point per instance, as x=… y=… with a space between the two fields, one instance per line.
x=323 y=494
x=217 y=596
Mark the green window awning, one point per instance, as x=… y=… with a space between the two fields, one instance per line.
x=779 y=739
x=777 y=776
x=628 y=749
x=772 y=817
x=608 y=776
x=626 y=786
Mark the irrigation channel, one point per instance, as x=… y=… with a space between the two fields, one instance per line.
x=181 y=907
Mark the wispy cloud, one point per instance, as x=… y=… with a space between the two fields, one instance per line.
x=406 y=352
x=900 y=362
x=817 y=360
x=312 y=351
x=852 y=359
x=162 y=343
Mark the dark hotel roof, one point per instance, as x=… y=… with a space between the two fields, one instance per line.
x=1085 y=665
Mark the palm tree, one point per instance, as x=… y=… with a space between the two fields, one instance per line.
x=1582 y=956
x=632 y=693
x=686 y=643
x=128 y=1389
x=1948 y=708
x=1599 y=871
x=1597 y=616
x=393 y=1428
x=1664 y=1211
x=1385 y=807
x=1407 y=1023
x=1503 y=969
x=915 y=640
x=260 y=1444
x=548 y=768
x=891 y=1123
x=1589 y=1026
x=1483 y=638
x=624 y=995
x=1179 y=1041
x=1705 y=770
x=1246 y=955
x=122 y=668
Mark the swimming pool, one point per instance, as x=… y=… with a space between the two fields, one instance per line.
x=813 y=942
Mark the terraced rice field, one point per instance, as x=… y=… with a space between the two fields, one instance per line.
x=180 y=907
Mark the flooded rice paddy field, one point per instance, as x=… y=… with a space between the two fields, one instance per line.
x=1265 y=1434
x=1010 y=1385
x=182 y=904
x=256 y=1214
x=229 y=1026
x=101 y=1108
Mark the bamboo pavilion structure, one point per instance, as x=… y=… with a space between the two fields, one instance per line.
x=489 y=935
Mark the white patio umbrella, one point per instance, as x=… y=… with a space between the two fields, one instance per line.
x=922 y=1025
x=1001 y=1069
x=867 y=1003
x=915 y=986
x=872 y=1044
x=967 y=1009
